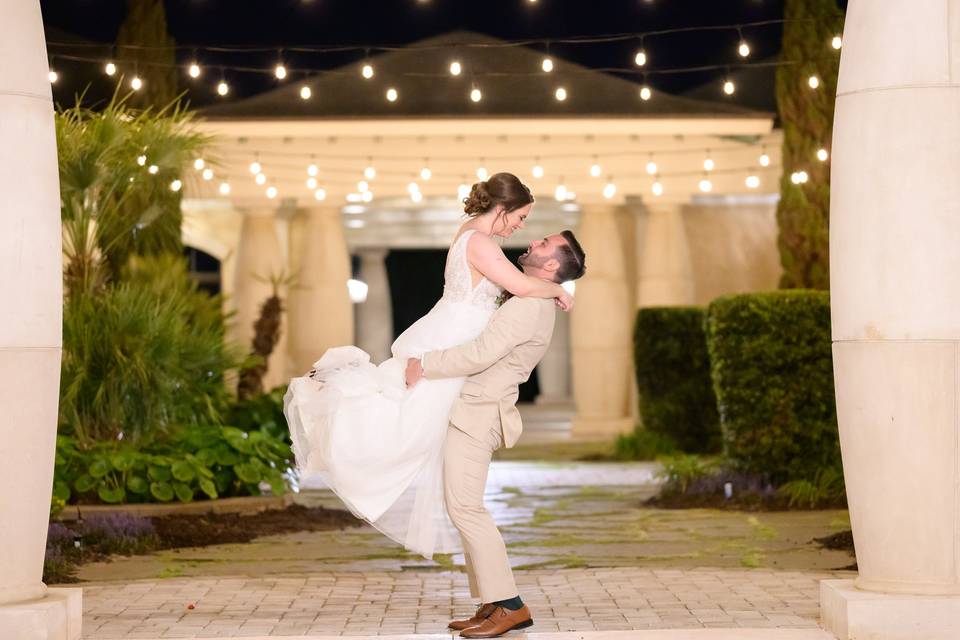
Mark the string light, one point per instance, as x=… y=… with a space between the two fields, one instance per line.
x=413 y=186
x=320 y=194
x=110 y=69
x=462 y=192
x=207 y=174
x=764 y=158
x=657 y=188
x=153 y=169
x=537 y=170
x=223 y=88
x=560 y=94
x=560 y=193
x=706 y=186
x=311 y=183
x=271 y=192
x=595 y=168
x=416 y=196
x=743 y=49
x=651 y=166
x=482 y=173
x=312 y=169
x=176 y=185
x=822 y=155
x=367 y=71
x=363 y=186
x=260 y=179
x=305 y=92
x=640 y=58
x=708 y=163
x=141 y=160
x=193 y=71
x=729 y=87
x=280 y=72
x=367 y=196
x=425 y=173
x=224 y=188
x=609 y=189
x=752 y=182
x=370 y=173
x=547 y=65
x=475 y=94
x=837 y=42
x=53 y=76
x=392 y=94
x=645 y=93
x=255 y=167
x=813 y=82
x=455 y=68
x=199 y=164
x=136 y=83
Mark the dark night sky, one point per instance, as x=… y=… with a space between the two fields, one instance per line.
x=396 y=22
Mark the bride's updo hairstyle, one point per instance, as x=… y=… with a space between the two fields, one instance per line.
x=500 y=189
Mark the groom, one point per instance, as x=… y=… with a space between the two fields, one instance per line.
x=485 y=418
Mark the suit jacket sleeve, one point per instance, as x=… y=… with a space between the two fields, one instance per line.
x=513 y=324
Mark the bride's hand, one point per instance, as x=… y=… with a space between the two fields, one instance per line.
x=565 y=301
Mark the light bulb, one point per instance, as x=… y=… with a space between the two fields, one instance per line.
x=370 y=173
x=706 y=186
x=53 y=76
x=708 y=164
x=320 y=194
x=305 y=92
x=537 y=171
x=822 y=155
x=416 y=196
x=425 y=173
x=752 y=182
x=311 y=183
x=657 y=188
x=366 y=196
x=729 y=88
x=455 y=68
x=207 y=174
x=223 y=88
x=482 y=173
x=141 y=160
x=193 y=71
x=743 y=49
x=176 y=185
x=367 y=71
x=136 y=83
x=640 y=58
x=413 y=186
x=280 y=71
x=198 y=164
x=764 y=160
x=609 y=190
x=110 y=69
x=271 y=192
x=224 y=188
x=547 y=65
x=595 y=170
x=652 y=167
x=803 y=176
x=312 y=169
x=462 y=192
x=475 y=95
x=261 y=178
x=560 y=193
x=362 y=186
x=813 y=82
x=560 y=94
x=837 y=42
x=255 y=167
x=392 y=94
x=645 y=93
x=795 y=177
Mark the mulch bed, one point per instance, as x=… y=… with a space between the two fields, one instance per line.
x=741 y=502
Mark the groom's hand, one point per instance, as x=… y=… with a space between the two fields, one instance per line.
x=414 y=371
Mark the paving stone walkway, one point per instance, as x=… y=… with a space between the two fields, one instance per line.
x=588 y=556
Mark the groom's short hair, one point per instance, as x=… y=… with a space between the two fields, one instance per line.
x=571 y=257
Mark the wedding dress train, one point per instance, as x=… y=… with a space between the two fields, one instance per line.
x=377 y=444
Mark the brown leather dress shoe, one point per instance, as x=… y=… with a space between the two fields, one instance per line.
x=499 y=622
x=482 y=612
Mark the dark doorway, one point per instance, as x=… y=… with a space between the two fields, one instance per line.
x=204 y=269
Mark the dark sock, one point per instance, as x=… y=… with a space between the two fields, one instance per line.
x=513 y=603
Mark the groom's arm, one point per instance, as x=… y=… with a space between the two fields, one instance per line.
x=513 y=324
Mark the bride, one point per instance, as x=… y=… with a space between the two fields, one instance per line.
x=378 y=445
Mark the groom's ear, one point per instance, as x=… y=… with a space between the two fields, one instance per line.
x=551 y=265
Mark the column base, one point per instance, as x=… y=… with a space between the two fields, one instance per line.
x=849 y=613
x=584 y=428
x=56 y=616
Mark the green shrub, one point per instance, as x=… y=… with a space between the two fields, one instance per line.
x=681 y=470
x=772 y=371
x=643 y=445
x=673 y=378
x=262 y=412
x=826 y=488
x=199 y=462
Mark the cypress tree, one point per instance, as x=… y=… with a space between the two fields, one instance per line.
x=152 y=56
x=806 y=116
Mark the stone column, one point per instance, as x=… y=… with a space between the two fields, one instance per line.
x=895 y=295
x=600 y=329
x=30 y=331
x=258 y=258
x=664 y=273
x=553 y=372
x=375 y=315
x=321 y=314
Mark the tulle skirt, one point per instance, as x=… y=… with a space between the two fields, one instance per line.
x=377 y=444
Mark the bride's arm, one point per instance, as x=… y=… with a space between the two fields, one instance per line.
x=487 y=258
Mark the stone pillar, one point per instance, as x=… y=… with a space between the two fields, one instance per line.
x=895 y=295
x=553 y=372
x=258 y=258
x=375 y=315
x=664 y=273
x=600 y=329
x=30 y=331
x=321 y=314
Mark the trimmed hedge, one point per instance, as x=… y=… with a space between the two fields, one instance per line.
x=673 y=378
x=772 y=371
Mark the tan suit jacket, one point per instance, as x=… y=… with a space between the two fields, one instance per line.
x=497 y=361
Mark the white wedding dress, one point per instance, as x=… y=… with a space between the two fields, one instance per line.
x=378 y=445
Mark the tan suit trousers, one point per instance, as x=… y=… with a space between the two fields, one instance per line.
x=466 y=461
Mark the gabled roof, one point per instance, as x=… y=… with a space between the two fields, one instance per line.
x=426 y=89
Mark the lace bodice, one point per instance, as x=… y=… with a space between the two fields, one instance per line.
x=458 y=281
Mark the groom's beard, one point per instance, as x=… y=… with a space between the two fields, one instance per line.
x=527 y=260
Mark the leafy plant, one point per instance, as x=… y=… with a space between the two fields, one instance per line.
x=680 y=471
x=262 y=412
x=826 y=488
x=643 y=445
